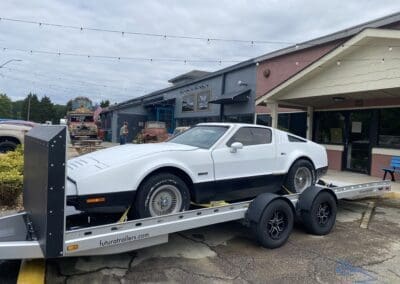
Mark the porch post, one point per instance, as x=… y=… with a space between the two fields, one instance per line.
x=310 y=116
x=274 y=114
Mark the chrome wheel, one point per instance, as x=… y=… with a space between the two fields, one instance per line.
x=165 y=199
x=302 y=179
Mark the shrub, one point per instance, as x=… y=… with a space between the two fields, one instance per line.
x=11 y=176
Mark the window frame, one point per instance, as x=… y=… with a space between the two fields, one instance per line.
x=229 y=143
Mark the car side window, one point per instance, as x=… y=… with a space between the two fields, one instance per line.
x=251 y=136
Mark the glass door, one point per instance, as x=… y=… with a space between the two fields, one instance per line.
x=357 y=150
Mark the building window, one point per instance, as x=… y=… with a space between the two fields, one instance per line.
x=188 y=102
x=293 y=122
x=329 y=127
x=264 y=119
x=240 y=118
x=202 y=100
x=389 y=128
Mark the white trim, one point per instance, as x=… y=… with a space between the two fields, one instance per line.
x=385 y=151
x=339 y=148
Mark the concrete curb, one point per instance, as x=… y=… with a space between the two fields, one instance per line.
x=32 y=272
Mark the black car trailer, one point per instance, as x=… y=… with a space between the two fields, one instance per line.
x=41 y=231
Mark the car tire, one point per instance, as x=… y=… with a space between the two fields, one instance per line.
x=275 y=224
x=300 y=176
x=321 y=217
x=6 y=146
x=161 y=194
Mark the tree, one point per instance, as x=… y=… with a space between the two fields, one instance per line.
x=104 y=104
x=60 y=111
x=17 y=109
x=46 y=109
x=5 y=106
x=32 y=105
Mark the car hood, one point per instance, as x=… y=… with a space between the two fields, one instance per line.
x=85 y=165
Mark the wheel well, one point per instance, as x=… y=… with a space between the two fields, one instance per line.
x=303 y=158
x=9 y=138
x=172 y=170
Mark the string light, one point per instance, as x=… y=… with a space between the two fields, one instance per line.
x=146 y=34
x=122 y=57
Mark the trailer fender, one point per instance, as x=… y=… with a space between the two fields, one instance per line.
x=257 y=206
x=307 y=197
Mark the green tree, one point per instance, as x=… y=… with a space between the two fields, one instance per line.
x=31 y=108
x=60 y=111
x=46 y=109
x=104 y=104
x=69 y=105
x=17 y=109
x=5 y=106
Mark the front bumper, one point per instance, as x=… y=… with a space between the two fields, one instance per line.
x=114 y=202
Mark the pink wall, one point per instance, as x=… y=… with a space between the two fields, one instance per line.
x=334 y=160
x=283 y=67
x=380 y=161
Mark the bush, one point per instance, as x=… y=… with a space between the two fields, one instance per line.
x=11 y=176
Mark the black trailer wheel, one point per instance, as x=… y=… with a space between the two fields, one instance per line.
x=275 y=224
x=321 y=217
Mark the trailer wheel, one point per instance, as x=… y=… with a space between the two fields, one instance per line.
x=161 y=194
x=275 y=224
x=321 y=217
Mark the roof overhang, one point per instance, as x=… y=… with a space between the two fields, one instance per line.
x=235 y=97
x=362 y=39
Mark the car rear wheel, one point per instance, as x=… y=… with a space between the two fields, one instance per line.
x=6 y=146
x=300 y=176
x=161 y=194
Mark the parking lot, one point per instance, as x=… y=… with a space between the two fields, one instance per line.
x=228 y=253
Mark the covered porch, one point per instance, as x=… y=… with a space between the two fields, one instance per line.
x=352 y=100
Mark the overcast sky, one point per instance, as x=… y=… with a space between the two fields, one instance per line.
x=63 y=77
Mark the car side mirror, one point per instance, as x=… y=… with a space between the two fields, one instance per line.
x=236 y=146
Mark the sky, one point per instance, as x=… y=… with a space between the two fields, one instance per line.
x=63 y=77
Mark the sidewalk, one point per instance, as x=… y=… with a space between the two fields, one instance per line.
x=344 y=178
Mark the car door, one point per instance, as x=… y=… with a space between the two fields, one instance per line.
x=255 y=159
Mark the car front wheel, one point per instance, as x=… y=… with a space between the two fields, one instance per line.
x=300 y=176
x=161 y=194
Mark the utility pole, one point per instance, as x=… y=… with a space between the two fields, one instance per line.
x=29 y=107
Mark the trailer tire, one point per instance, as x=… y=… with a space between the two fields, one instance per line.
x=321 y=217
x=275 y=225
x=162 y=192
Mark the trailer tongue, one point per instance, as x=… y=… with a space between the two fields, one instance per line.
x=41 y=231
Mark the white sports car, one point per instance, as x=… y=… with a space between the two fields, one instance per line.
x=208 y=162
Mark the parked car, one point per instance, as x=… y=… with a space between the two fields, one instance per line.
x=153 y=132
x=208 y=162
x=12 y=134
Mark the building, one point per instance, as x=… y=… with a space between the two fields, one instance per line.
x=341 y=90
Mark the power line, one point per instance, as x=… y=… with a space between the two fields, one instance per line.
x=146 y=34
x=145 y=59
x=85 y=83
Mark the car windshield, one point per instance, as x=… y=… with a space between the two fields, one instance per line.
x=200 y=136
